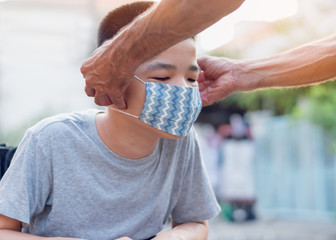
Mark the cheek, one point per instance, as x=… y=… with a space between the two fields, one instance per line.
x=135 y=97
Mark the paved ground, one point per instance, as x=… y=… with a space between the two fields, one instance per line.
x=272 y=230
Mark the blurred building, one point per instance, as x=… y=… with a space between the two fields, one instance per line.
x=314 y=19
x=295 y=160
x=42 y=46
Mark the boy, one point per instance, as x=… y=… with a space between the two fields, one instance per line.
x=115 y=174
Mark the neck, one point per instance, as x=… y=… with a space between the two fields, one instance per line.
x=124 y=136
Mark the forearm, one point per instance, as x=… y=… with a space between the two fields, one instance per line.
x=192 y=230
x=186 y=231
x=167 y=24
x=15 y=235
x=309 y=64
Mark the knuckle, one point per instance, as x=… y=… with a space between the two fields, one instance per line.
x=84 y=68
x=88 y=81
x=99 y=88
x=90 y=91
x=92 y=81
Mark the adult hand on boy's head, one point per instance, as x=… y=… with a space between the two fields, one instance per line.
x=216 y=79
x=107 y=75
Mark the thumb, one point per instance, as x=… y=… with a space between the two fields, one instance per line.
x=117 y=99
x=201 y=81
x=203 y=62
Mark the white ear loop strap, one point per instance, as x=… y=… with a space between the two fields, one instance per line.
x=140 y=79
x=129 y=114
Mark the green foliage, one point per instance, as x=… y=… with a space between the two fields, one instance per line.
x=14 y=137
x=321 y=103
x=280 y=101
x=322 y=109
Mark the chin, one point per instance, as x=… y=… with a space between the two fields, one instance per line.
x=163 y=134
x=171 y=136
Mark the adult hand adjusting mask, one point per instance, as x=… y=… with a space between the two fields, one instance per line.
x=169 y=108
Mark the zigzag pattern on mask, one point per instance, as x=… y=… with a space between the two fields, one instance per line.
x=170 y=108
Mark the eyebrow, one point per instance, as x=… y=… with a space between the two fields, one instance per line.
x=194 y=68
x=160 y=65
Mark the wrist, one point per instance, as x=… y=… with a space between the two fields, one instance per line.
x=248 y=75
x=133 y=46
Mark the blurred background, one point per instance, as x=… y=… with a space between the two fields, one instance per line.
x=271 y=154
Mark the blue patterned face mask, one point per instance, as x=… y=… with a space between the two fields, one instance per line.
x=169 y=108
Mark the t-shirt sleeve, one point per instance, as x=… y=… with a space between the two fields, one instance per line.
x=25 y=187
x=197 y=201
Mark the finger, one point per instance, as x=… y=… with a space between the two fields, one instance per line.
x=91 y=80
x=201 y=81
x=210 y=67
x=203 y=62
x=205 y=101
x=85 y=67
x=200 y=77
x=118 y=100
x=204 y=96
x=88 y=64
x=204 y=83
x=90 y=91
x=102 y=99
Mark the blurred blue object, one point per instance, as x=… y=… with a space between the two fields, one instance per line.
x=295 y=170
x=6 y=155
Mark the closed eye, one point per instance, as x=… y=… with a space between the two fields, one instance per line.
x=161 y=78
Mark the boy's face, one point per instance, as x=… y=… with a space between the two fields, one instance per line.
x=176 y=66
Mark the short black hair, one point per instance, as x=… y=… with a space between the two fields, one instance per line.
x=120 y=17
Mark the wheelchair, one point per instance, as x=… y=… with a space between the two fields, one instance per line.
x=6 y=155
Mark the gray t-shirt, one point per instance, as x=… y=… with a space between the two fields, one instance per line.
x=65 y=182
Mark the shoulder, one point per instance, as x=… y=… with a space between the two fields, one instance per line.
x=62 y=123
